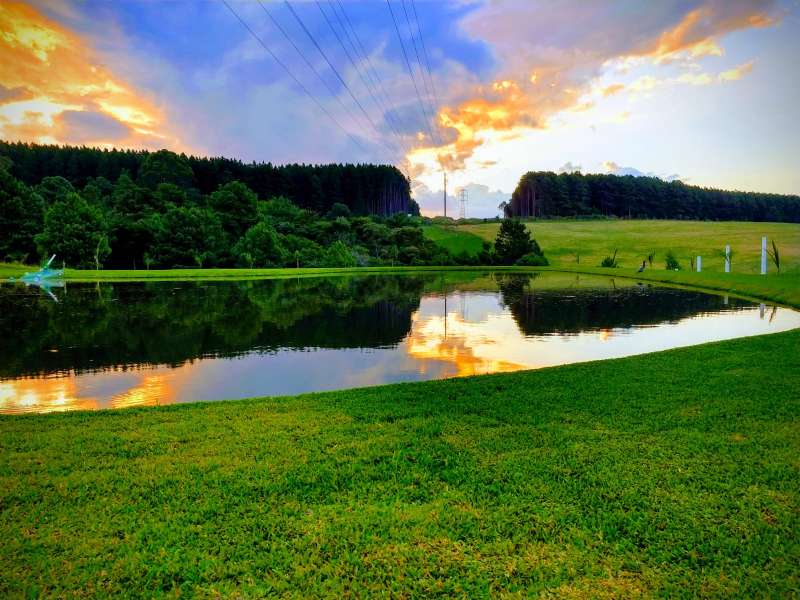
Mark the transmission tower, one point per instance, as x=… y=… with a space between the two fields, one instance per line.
x=463 y=196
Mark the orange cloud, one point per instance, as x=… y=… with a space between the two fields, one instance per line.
x=612 y=89
x=736 y=73
x=698 y=29
x=550 y=69
x=54 y=89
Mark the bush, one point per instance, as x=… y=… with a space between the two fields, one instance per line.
x=338 y=255
x=610 y=261
x=533 y=260
x=671 y=262
x=260 y=247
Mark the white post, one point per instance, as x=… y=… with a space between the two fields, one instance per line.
x=699 y=263
x=727 y=258
x=764 y=255
x=761 y=309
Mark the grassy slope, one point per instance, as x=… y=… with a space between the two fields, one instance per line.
x=455 y=239
x=634 y=239
x=609 y=479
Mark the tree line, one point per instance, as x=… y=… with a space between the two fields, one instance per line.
x=363 y=188
x=158 y=217
x=547 y=194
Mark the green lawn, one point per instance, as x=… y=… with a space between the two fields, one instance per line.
x=671 y=474
x=563 y=240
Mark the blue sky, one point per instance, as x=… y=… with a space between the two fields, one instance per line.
x=704 y=90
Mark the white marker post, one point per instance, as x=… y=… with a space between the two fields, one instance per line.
x=699 y=263
x=764 y=255
x=727 y=259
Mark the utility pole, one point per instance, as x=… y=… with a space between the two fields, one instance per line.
x=444 y=195
x=462 y=203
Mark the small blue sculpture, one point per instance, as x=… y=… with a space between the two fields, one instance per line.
x=44 y=273
x=45 y=278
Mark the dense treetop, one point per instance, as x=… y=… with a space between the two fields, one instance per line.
x=365 y=189
x=546 y=194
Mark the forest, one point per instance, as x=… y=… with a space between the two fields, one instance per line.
x=364 y=189
x=167 y=210
x=547 y=194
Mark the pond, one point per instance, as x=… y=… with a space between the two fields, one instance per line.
x=112 y=345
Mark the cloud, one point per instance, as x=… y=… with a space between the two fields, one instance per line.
x=566 y=45
x=648 y=83
x=736 y=73
x=83 y=127
x=51 y=75
x=612 y=89
x=481 y=201
x=695 y=78
x=614 y=169
x=14 y=94
x=697 y=31
x=568 y=167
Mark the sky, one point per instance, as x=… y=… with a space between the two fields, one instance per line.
x=705 y=91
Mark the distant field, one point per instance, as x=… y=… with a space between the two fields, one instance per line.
x=562 y=241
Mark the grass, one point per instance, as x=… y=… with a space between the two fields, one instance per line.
x=673 y=474
x=615 y=479
x=593 y=240
x=454 y=239
x=783 y=288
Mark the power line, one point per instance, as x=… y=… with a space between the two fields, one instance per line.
x=308 y=63
x=416 y=53
x=410 y=70
x=424 y=51
x=384 y=95
x=349 y=56
x=330 y=64
x=294 y=78
x=360 y=56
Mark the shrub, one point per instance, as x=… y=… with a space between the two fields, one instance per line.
x=610 y=261
x=671 y=262
x=338 y=255
x=533 y=260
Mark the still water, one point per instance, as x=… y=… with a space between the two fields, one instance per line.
x=87 y=346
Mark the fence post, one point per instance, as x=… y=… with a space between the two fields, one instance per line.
x=699 y=263
x=728 y=258
x=764 y=255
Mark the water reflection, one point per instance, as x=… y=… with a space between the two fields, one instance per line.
x=118 y=345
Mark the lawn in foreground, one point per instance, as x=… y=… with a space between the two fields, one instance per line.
x=595 y=239
x=673 y=473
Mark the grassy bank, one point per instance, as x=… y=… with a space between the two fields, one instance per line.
x=563 y=241
x=783 y=288
x=615 y=479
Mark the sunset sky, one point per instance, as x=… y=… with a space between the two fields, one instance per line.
x=704 y=91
